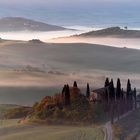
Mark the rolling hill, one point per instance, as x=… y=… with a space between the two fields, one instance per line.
x=71 y=56
x=21 y=24
x=30 y=64
x=112 y=32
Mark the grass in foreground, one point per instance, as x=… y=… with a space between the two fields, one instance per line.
x=42 y=132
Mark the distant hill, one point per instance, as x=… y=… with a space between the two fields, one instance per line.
x=112 y=32
x=72 y=56
x=21 y=24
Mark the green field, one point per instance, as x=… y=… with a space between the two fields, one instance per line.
x=42 y=132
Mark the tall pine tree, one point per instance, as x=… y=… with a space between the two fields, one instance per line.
x=75 y=84
x=118 y=89
x=112 y=90
x=128 y=89
x=88 y=91
x=135 y=97
x=122 y=94
x=106 y=82
x=67 y=96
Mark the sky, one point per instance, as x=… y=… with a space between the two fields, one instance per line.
x=70 y=3
x=68 y=12
x=63 y=2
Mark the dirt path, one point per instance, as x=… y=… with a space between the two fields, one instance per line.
x=109 y=131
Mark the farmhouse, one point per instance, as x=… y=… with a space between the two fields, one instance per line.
x=97 y=95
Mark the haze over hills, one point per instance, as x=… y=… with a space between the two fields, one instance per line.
x=79 y=56
x=38 y=64
x=116 y=32
x=21 y=24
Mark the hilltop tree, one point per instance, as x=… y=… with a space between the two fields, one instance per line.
x=118 y=89
x=75 y=84
x=88 y=91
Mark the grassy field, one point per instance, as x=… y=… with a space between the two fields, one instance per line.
x=128 y=128
x=38 y=132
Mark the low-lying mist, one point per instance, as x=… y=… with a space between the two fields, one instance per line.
x=63 y=37
x=109 y=41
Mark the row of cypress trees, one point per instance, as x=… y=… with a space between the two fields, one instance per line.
x=118 y=102
x=112 y=93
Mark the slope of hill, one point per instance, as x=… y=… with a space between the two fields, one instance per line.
x=21 y=24
x=79 y=56
x=32 y=64
x=112 y=32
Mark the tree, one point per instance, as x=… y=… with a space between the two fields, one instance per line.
x=122 y=94
x=129 y=96
x=88 y=91
x=106 y=82
x=118 y=89
x=63 y=91
x=128 y=89
x=75 y=84
x=112 y=90
x=135 y=97
x=123 y=105
x=67 y=96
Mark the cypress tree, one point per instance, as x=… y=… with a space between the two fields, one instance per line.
x=128 y=89
x=67 y=95
x=106 y=90
x=106 y=82
x=75 y=84
x=63 y=91
x=118 y=89
x=112 y=90
x=135 y=97
x=88 y=91
x=122 y=94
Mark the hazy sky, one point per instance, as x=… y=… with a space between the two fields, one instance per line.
x=66 y=1
x=63 y=12
x=70 y=3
